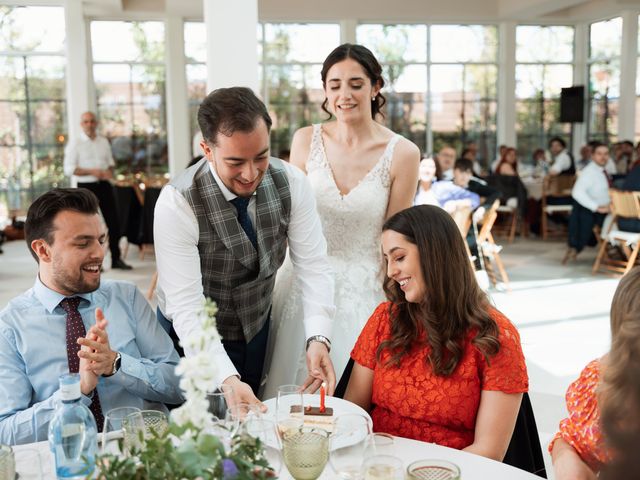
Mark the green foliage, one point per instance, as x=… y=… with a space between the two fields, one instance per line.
x=202 y=457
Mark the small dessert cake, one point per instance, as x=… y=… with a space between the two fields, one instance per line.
x=316 y=418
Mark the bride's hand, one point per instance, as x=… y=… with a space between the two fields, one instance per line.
x=320 y=369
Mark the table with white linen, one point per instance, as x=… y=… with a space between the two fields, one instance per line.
x=533 y=184
x=473 y=467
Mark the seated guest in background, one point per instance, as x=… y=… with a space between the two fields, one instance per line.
x=585 y=157
x=442 y=194
x=619 y=395
x=437 y=363
x=590 y=203
x=561 y=160
x=446 y=158
x=472 y=154
x=623 y=157
x=578 y=449
x=462 y=177
x=637 y=161
x=501 y=150
x=632 y=184
x=539 y=160
x=70 y=321
x=508 y=163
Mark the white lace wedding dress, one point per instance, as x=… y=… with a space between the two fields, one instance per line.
x=352 y=224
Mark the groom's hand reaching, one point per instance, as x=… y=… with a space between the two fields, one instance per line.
x=320 y=369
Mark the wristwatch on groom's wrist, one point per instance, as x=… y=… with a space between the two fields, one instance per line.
x=116 y=365
x=319 y=338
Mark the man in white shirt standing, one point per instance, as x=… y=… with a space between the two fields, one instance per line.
x=221 y=230
x=88 y=158
x=590 y=202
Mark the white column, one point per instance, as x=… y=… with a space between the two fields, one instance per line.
x=178 y=132
x=581 y=77
x=78 y=66
x=506 y=127
x=628 y=67
x=348 y=30
x=232 y=43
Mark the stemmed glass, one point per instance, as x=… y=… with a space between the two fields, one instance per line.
x=380 y=444
x=236 y=416
x=348 y=443
x=218 y=399
x=289 y=409
x=126 y=424
x=266 y=431
x=30 y=463
x=305 y=452
x=154 y=421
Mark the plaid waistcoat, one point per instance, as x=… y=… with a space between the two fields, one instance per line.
x=238 y=278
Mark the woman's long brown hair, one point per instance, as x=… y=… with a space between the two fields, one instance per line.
x=619 y=394
x=453 y=304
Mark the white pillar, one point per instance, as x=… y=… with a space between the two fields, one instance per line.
x=232 y=43
x=178 y=132
x=78 y=66
x=581 y=77
x=506 y=127
x=348 y=30
x=628 y=68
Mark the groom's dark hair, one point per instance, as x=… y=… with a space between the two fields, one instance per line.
x=227 y=110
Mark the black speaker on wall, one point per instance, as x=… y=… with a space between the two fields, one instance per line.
x=572 y=104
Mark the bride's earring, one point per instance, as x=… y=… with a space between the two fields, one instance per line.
x=373 y=99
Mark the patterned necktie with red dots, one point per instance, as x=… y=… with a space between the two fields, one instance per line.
x=75 y=330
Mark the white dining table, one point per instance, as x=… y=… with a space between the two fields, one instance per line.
x=472 y=467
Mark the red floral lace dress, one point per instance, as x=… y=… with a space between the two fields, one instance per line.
x=412 y=401
x=581 y=429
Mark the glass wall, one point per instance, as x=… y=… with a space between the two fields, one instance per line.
x=605 y=44
x=291 y=59
x=441 y=82
x=544 y=65
x=129 y=77
x=32 y=103
x=195 y=50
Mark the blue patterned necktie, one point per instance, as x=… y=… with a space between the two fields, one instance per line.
x=75 y=330
x=241 y=204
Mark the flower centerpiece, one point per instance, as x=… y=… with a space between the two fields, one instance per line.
x=186 y=450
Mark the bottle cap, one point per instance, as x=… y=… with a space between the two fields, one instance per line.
x=70 y=386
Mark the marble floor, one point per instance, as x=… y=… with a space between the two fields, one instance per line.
x=562 y=313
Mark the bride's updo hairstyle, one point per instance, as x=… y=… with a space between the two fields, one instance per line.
x=454 y=306
x=367 y=61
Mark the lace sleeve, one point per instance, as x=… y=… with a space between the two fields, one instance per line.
x=373 y=333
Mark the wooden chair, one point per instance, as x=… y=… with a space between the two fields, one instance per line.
x=555 y=187
x=462 y=217
x=488 y=248
x=625 y=205
x=152 y=286
x=511 y=211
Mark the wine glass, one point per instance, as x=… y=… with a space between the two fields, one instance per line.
x=380 y=444
x=289 y=409
x=383 y=467
x=266 y=431
x=350 y=438
x=218 y=399
x=30 y=463
x=305 y=452
x=123 y=429
x=154 y=421
x=238 y=414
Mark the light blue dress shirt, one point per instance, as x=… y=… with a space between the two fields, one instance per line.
x=33 y=353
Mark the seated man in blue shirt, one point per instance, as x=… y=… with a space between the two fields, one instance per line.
x=70 y=321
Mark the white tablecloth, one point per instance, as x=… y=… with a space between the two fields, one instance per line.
x=533 y=186
x=473 y=467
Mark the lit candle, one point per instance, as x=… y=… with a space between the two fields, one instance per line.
x=322 y=393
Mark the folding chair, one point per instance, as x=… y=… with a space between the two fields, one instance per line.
x=555 y=187
x=625 y=205
x=488 y=249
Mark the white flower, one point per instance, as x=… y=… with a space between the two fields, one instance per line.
x=197 y=372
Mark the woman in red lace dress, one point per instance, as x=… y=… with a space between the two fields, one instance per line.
x=436 y=362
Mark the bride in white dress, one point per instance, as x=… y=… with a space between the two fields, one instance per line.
x=361 y=173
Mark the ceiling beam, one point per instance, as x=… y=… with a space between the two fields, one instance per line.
x=534 y=9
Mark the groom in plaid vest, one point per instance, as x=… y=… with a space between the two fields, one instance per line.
x=221 y=231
